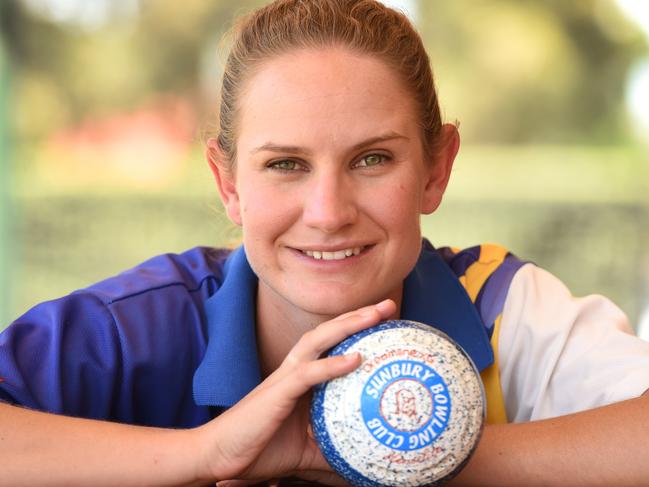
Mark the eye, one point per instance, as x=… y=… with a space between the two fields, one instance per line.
x=371 y=160
x=285 y=165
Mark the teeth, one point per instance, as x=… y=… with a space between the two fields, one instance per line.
x=337 y=255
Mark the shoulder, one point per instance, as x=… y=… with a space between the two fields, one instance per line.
x=539 y=299
x=196 y=273
x=486 y=271
x=189 y=271
x=471 y=258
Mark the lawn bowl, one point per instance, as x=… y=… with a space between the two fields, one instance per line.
x=410 y=415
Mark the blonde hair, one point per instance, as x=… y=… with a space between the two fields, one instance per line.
x=365 y=27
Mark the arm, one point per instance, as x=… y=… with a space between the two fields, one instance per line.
x=48 y=449
x=603 y=446
x=262 y=437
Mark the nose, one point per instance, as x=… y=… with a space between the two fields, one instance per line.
x=329 y=202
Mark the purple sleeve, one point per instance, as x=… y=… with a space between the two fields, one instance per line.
x=62 y=356
x=130 y=361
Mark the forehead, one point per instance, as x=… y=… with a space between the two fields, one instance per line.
x=328 y=94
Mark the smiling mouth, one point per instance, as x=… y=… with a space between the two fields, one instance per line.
x=336 y=255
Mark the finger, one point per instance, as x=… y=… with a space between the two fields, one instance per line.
x=314 y=342
x=314 y=372
x=385 y=308
x=233 y=483
x=285 y=389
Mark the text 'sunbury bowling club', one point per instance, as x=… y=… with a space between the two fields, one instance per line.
x=405 y=405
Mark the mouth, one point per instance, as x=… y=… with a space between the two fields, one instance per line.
x=334 y=255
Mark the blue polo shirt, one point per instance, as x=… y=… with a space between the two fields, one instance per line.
x=171 y=342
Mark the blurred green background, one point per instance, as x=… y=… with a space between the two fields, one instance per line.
x=104 y=105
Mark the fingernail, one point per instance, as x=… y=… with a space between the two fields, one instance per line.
x=384 y=304
x=351 y=357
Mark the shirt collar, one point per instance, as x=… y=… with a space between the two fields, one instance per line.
x=230 y=369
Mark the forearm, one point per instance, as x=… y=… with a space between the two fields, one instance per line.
x=45 y=449
x=604 y=446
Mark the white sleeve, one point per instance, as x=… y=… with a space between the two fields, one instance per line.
x=559 y=354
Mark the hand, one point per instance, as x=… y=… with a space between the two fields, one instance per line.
x=264 y=436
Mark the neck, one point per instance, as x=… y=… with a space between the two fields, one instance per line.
x=280 y=325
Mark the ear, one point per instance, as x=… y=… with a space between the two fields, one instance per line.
x=225 y=181
x=441 y=167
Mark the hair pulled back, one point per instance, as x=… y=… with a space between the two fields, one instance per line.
x=365 y=27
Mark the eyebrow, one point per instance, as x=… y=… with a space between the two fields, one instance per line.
x=294 y=149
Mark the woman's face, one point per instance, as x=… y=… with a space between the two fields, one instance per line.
x=330 y=181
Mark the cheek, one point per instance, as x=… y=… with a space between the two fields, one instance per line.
x=264 y=210
x=254 y=197
x=253 y=211
x=402 y=205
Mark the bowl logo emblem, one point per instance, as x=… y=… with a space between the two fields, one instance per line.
x=405 y=405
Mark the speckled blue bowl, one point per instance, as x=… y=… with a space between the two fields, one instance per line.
x=410 y=415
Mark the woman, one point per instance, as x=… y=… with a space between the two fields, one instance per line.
x=330 y=148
